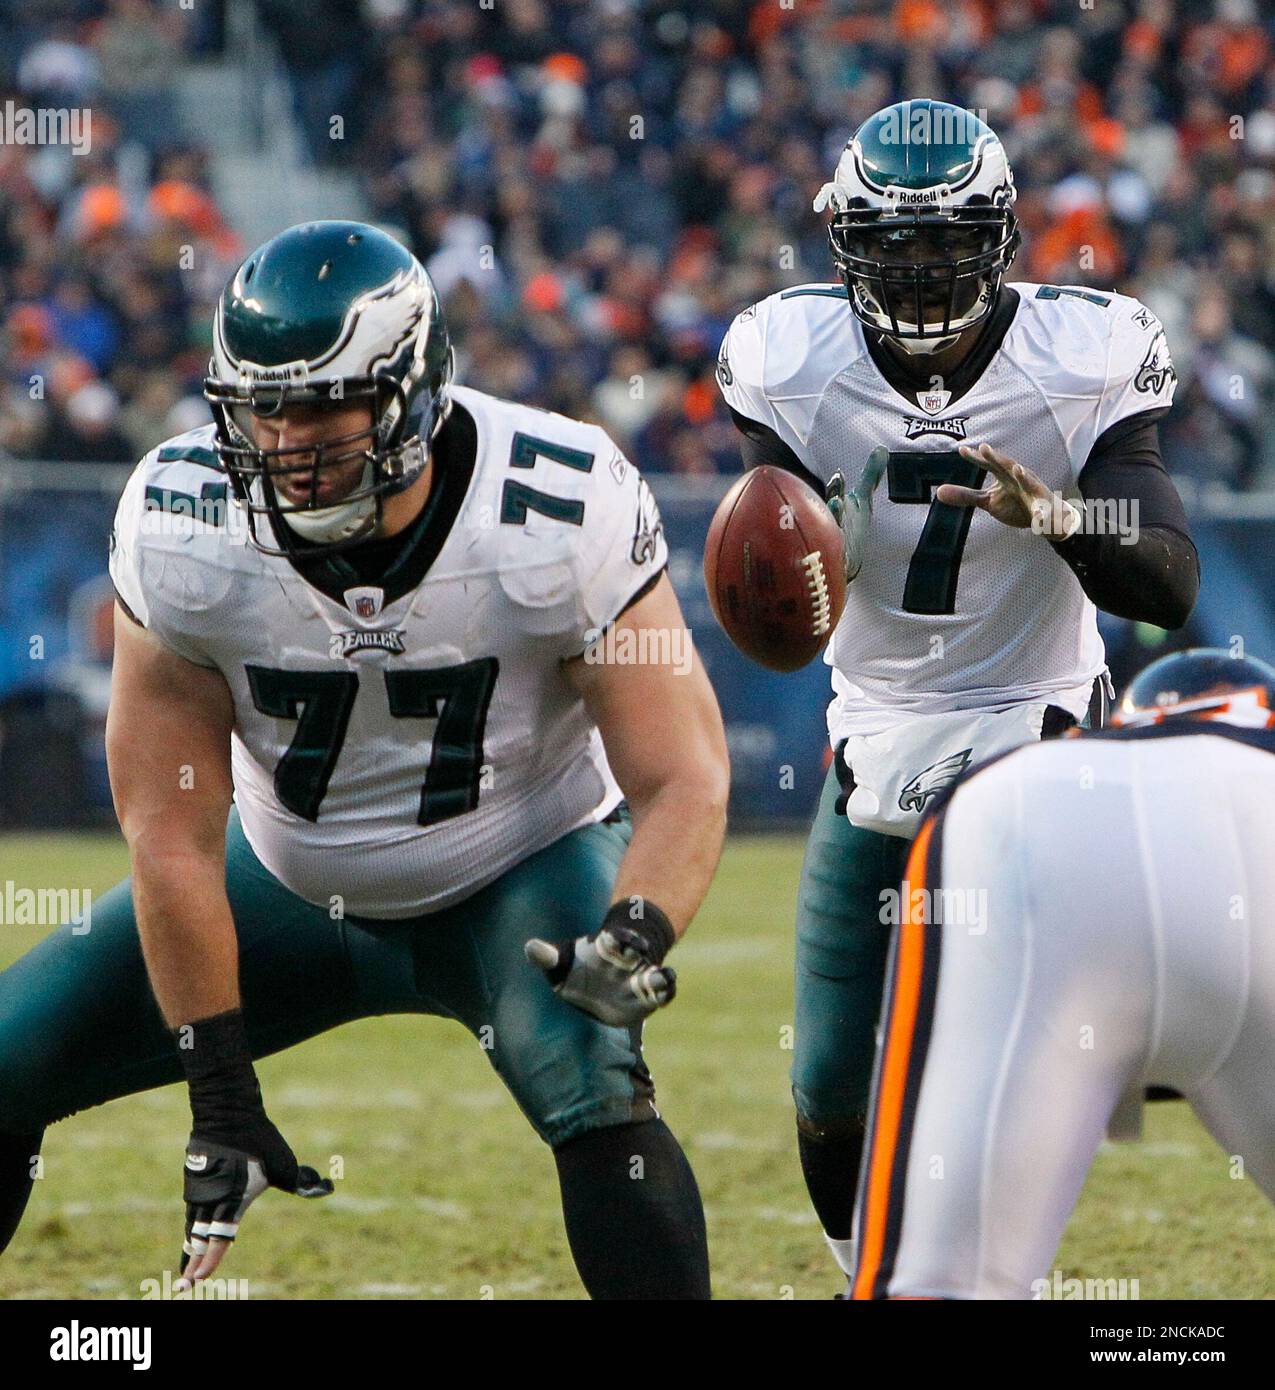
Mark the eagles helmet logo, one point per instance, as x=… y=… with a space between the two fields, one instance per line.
x=923 y=227
x=936 y=778
x=324 y=314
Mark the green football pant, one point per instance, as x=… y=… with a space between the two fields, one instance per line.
x=842 y=947
x=79 y=1025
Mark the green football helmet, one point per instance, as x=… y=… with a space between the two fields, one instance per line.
x=325 y=314
x=923 y=227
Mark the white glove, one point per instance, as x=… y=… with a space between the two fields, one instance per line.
x=609 y=974
x=853 y=509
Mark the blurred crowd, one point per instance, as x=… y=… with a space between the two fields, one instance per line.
x=110 y=259
x=599 y=186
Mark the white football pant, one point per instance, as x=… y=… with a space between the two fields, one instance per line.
x=1085 y=918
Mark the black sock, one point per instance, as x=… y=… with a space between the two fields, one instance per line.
x=634 y=1218
x=830 y=1160
x=17 y=1152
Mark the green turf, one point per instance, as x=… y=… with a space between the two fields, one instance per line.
x=446 y=1192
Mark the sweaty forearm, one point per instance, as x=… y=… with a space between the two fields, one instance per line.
x=677 y=841
x=187 y=933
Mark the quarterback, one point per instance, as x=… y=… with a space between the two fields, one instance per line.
x=992 y=453
x=1009 y=1051
x=369 y=757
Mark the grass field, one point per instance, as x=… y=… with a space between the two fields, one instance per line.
x=446 y=1192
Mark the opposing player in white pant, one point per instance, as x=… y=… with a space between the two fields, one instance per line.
x=1082 y=919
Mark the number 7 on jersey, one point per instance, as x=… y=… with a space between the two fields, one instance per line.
x=930 y=586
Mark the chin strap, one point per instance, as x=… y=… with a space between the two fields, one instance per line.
x=337 y=522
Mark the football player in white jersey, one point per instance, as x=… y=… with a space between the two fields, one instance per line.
x=992 y=452
x=425 y=640
x=1081 y=920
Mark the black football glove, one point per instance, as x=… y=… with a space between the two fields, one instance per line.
x=617 y=973
x=234 y=1152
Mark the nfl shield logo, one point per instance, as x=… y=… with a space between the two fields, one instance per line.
x=932 y=402
x=365 y=602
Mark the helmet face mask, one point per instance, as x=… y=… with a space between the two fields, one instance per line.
x=921 y=276
x=923 y=228
x=338 y=506
x=326 y=317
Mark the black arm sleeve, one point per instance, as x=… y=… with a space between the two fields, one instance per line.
x=762 y=445
x=1156 y=578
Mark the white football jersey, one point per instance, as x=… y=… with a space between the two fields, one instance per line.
x=952 y=609
x=397 y=746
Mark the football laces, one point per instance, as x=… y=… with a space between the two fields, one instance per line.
x=820 y=599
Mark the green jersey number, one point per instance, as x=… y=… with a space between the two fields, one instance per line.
x=320 y=702
x=516 y=498
x=1055 y=291
x=457 y=697
x=935 y=564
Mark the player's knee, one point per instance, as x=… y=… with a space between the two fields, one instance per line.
x=571 y=1095
x=24 y=1095
x=830 y=1085
x=33 y=1071
x=581 y=1089
x=830 y=1112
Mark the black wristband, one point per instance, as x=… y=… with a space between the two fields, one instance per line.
x=651 y=926
x=224 y=1092
x=213 y=1045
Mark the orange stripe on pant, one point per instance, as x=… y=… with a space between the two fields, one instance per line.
x=892 y=1088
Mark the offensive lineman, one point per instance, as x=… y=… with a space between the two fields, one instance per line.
x=398 y=680
x=1015 y=428
x=1006 y=1048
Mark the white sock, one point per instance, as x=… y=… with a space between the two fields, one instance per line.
x=844 y=1253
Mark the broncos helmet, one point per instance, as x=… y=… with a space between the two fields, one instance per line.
x=1206 y=683
x=327 y=313
x=923 y=226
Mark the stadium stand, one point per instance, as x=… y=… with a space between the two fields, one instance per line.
x=598 y=186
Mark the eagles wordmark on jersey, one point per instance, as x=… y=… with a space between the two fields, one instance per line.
x=952 y=610
x=386 y=652
x=970 y=622
x=398 y=746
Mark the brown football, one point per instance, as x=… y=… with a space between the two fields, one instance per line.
x=774 y=570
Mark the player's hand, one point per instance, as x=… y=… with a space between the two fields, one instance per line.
x=616 y=974
x=853 y=508
x=221 y=1181
x=1014 y=495
x=235 y=1152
